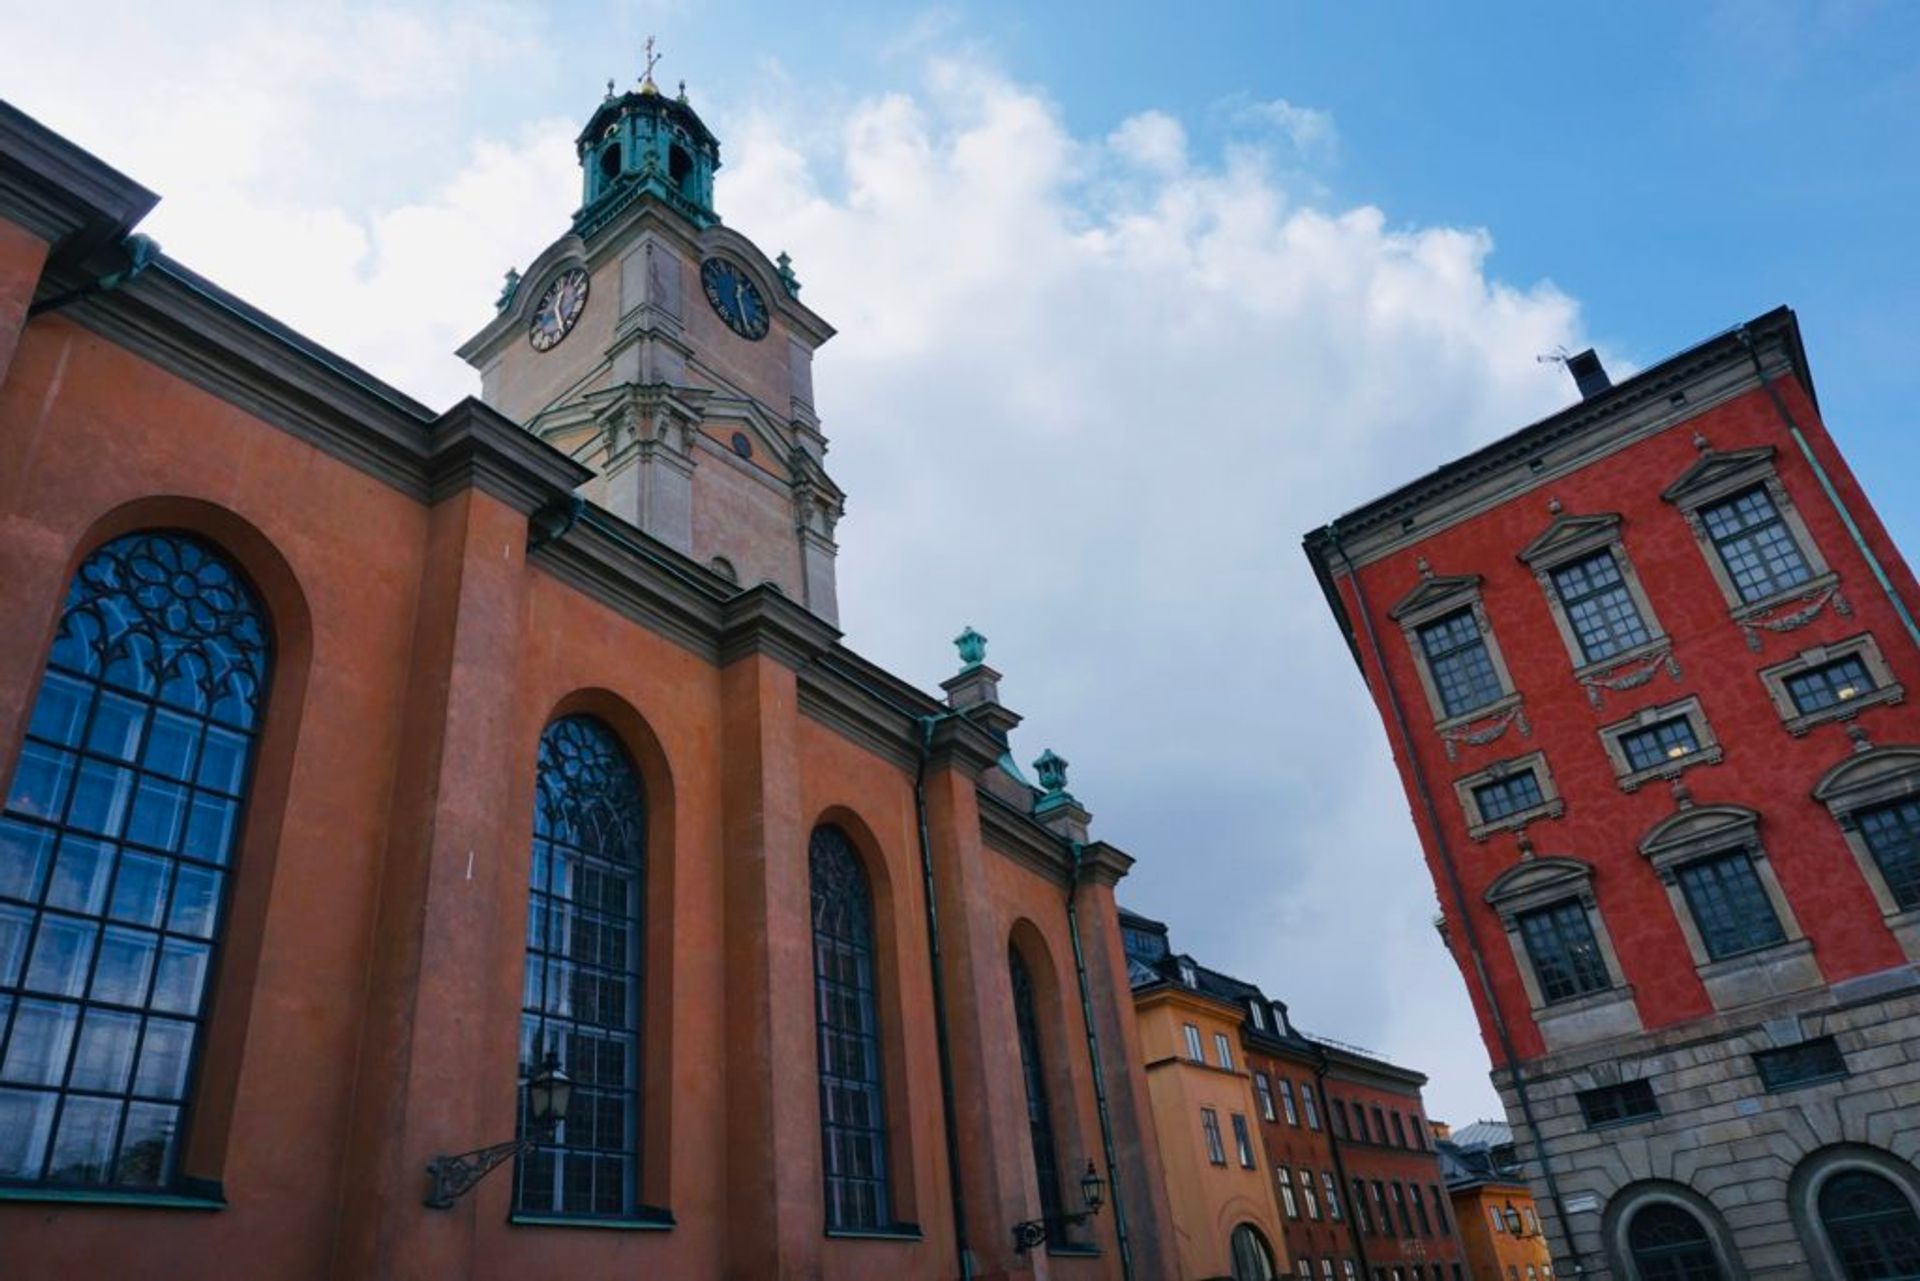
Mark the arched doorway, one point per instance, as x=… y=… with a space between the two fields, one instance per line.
x=1669 y=1244
x=1252 y=1260
x=1871 y=1226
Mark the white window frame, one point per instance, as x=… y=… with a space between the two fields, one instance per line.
x=1572 y=538
x=1432 y=600
x=1631 y=777
x=1887 y=689
x=1718 y=476
x=1283 y=1175
x=1223 y=1050
x=1196 y=1052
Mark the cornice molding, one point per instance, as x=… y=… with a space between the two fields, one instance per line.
x=765 y=620
x=1007 y=831
x=1104 y=864
x=64 y=194
x=475 y=446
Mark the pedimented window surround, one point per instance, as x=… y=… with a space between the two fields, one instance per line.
x=1722 y=474
x=1864 y=781
x=1434 y=599
x=1702 y=831
x=1865 y=648
x=1480 y=827
x=1630 y=777
x=1542 y=882
x=1568 y=539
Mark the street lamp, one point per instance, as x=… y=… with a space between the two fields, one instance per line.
x=1093 y=1193
x=549 y=1095
x=1512 y=1217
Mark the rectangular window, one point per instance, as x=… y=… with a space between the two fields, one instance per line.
x=1210 y=1126
x=1566 y=959
x=1258 y=1015
x=1755 y=544
x=1339 y=1117
x=1379 y=1127
x=1439 y=1209
x=1419 y=1209
x=1419 y=1131
x=1380 y=1208
x=1660 y=742
x=1892 y=834
x=1307 y=1196
x=1499 y=1224
x=1360 y=1124
x=1400 y=1207
x=1399 y=1131
x=1223 y=1050
x=1326 y=1269
x=1263 y=1094
x=1599 y=607
x=1284 y=1177
x=1533 y=1224
x=1807 y=1063
x=1457 y=657
x=1347 y=1271
x=1306 y=1102
x=1242 y=1141
x=1617 y=1104
x=1332 y=1190
x=1829 y=684
x=1507 y=796
x=1286 y=1102
x=1193 y=1044
x=1730 y=909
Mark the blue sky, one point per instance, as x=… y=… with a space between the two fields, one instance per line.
x=1129 y=297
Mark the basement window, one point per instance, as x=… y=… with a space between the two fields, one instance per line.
x=1621 y=1104
x=1808 y=1063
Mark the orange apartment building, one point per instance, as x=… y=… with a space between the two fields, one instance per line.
x=1499 y=1226
x=375 y=772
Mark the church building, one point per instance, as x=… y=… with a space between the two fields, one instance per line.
x=460 y=843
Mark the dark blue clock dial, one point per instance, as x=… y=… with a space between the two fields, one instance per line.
x=734 y=296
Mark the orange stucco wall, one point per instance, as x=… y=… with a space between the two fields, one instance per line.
x=365 y=1010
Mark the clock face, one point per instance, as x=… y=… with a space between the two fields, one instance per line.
x=734 y=296
x=559 y=307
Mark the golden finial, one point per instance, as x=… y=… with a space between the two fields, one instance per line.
x=646 y=80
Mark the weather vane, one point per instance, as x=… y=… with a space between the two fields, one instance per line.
x=652 y=58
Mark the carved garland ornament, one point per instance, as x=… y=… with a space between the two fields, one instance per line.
x=1798 y=613
x=1480 y=733
x=1631 y=674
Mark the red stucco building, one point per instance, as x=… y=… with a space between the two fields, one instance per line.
x=1642 y=665
x=366 y=764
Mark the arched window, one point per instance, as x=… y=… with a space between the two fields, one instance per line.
x=1046 y=1161
x=1669 y=1244
x=582 y=996
x=1252 y=1260
x=853 y=1115
x=1871 y=1226
x=115 y=852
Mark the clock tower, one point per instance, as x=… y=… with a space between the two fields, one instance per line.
x=667 y=352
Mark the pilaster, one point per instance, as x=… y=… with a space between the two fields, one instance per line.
x=772 y=1136
x=417 y=1094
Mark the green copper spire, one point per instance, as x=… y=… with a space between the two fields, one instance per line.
x=643 y=142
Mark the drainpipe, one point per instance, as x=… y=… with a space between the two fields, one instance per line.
x=927 y=724
x=1339 y=1166
x=1121 y=1240
x=1826 y=485
x=141 y=251
x=1458 y=892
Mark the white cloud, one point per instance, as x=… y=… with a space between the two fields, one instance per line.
x=1087 y=394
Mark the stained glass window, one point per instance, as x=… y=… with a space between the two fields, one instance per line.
x=1046 y=1163
x=1669 y=1244
x=1892 y=833
x=1872 y=1226
x=1755 y=545
x=1599 y=607
x=1457 y=657
x=582 y=995
x=853 y=1117
x=116 y=847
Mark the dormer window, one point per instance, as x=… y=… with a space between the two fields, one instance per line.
x=1188 y=975
x=1258 y=1015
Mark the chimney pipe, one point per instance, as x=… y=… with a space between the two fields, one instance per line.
x=1588 y=374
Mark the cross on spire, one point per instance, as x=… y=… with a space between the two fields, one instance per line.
x=646 y=80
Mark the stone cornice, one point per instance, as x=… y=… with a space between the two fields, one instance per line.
x=764 y=620
x=473 y=445
x=1103 y=864
x=960 y=744
x=1009 y=832
x=645 y=581
x=62 y=193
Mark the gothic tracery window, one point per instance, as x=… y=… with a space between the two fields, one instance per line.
x=853 y=1119
x=1046 y=1162
x=582 y=995
x=116 y=847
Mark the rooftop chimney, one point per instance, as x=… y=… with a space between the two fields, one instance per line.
x=1588 y=374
